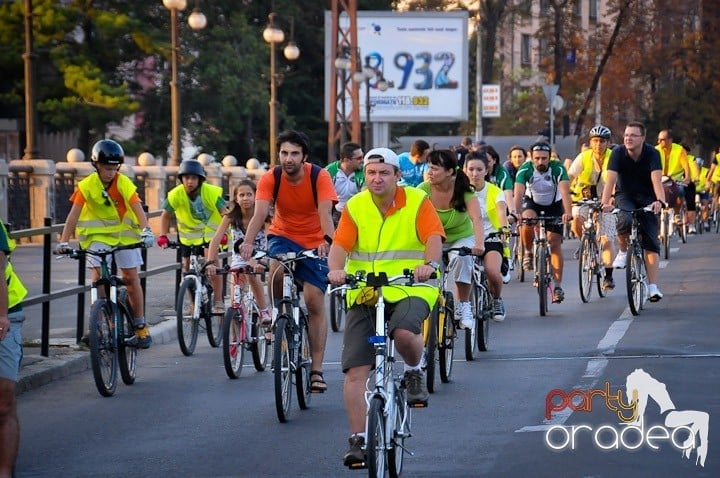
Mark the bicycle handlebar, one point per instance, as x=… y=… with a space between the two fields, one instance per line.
x=247 y=270
x=77 y=253
x=361 y=279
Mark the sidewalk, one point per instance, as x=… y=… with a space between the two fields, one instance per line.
x=67 y=358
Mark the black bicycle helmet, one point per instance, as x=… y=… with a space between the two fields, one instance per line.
x=600 y=131
x=191 y=166
x=107 y=151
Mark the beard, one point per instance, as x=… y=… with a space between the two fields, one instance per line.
x=541 y=168
x=291 y=169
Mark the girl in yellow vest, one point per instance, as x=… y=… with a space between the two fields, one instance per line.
x=107 y=212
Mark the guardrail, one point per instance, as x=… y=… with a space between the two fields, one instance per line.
x=48 y=231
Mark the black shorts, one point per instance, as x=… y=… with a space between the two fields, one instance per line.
x=554 y=209
x=690 y=197
x=186 y=251
x=649 y=225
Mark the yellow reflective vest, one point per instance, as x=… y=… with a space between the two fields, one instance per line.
x=716 y=173
x=675 y=169
x=99 y=220
x=16 y=289
x=388 y=244
x=191 y=230
x=585 y=177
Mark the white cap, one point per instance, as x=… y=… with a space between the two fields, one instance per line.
x=388 y=156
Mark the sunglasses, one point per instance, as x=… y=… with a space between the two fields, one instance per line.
x=541 y=147
x=107 y=199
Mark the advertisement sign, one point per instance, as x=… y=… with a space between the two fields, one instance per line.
x=491 y=101
x=423 y=58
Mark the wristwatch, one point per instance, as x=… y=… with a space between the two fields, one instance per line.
x=433 y=264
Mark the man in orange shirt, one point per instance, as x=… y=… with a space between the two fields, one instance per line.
x=300 y=222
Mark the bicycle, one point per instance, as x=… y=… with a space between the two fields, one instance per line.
x=113 y=343
x=337 y=310
x=389 y=416
x=195 y=304
x=635 y=272
x=666 y=230
x=590 y=265
x=241 y=327
x=541 y=254
x=291 y=343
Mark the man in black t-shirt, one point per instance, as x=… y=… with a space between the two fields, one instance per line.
x=635 y=175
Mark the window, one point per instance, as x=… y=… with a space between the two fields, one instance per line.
x=525 y=49
x=592 y=7
x=544 y=7
x=577 y=8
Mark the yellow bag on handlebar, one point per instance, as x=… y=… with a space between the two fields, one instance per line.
x=368 y=296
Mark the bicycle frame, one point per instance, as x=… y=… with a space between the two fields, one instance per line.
x=541 y=243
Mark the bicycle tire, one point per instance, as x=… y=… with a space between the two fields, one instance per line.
x=281 y=368
x=103 y=352
x=542 y=280
x=187 y=326
x=586 y=270
x=401 y=431
x=376 y=442
x=683 y=229
x=519 y=260
x=127 y=353
x=471 y=334
x=483 y=319
x=600 y=271
x=446 y=341
x=665 y=234
x=260 y=345
x=302 y=365
x=632 y=281
x=233 y=346
x=337 y=310
x=431 y=349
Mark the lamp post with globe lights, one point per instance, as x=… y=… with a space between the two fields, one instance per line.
x=366 y=74
x=273 y=35
x=197 y=21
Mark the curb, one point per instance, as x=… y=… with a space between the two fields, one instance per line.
x=68 y=359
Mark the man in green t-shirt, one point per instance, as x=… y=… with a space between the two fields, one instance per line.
x=347 y=175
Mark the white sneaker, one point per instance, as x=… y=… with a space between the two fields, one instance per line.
x=620 y=260
x=654 y=293
x=465 y=313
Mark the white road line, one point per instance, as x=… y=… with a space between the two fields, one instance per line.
x=663 y=264
x=593 y=371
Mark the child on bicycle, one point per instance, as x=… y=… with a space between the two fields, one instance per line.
x=236 y=221
x=198 y=208
x=107 y=212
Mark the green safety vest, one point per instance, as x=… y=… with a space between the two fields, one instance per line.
x=192 y=231
x=16 y=289
x=674 y=169
x=585 y=177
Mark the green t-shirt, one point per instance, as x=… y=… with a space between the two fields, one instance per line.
x=457 y=224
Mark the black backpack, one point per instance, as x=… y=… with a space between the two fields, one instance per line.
x=314 y=171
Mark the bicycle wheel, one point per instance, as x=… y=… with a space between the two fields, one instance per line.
x=281 y=367
x=483 y=319
x=471 y=334
x=431 y=349
x=233 y=347
x=520 y=253
x=103 y=353
x=337 y=310
x=586 y=269
x=260 y=345
x=599 y=273
x=633 y=281
x=401 y=431
x=665 y=234
x=127 y=351
x=302 y=365
x=446 y=342
x=187 y=326
x=376 y=444
x=542 y=272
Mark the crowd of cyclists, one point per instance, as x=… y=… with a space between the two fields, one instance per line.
x=360 y=212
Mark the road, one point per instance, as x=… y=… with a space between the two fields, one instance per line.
x=184 y=417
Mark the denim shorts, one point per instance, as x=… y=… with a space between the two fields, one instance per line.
x=312 y=271
x=11 y=351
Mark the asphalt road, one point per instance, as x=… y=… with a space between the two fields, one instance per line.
x=184 y=417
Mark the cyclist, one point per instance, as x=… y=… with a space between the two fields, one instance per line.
x=516 y=157
x=107 y=212
x=413 y=164
x=700 y=174
x=373 y=235
x=454 y=200
x=634 y=175
x=493 y=207
x=12 y=292
x=300 y=222
x=713 y=180
x=588 y=171
x=237 y=220
x=677 y=179
x=347 y=175
x=542 y=185
x=198 y=208
x=691 y=189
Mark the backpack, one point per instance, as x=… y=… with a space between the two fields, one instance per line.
x=314 y=171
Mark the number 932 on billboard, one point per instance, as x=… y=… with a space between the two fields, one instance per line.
x=419 y=63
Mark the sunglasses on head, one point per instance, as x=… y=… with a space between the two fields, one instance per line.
x=107 y=198
x=541 y=147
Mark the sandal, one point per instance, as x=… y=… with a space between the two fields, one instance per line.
x=317 y=382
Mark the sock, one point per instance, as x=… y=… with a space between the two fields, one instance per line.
x=608 y=272
x=411 y=368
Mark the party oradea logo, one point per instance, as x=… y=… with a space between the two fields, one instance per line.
x=685 y=430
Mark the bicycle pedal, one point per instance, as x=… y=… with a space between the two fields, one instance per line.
x=418 y=404
x=359 y=465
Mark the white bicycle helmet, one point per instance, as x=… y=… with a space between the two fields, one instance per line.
x=600 y=131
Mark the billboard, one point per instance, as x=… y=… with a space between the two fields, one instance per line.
x=491 y=101
x=423 y=57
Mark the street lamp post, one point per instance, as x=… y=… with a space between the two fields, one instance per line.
x=272 y=35
x=197 y=21
x=365 y=74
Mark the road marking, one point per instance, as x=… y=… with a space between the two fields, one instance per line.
x=663 y=264
x=594 y=369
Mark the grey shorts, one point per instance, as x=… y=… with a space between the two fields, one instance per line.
x=408 y=314
x=126 y=258
x=11 y=351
